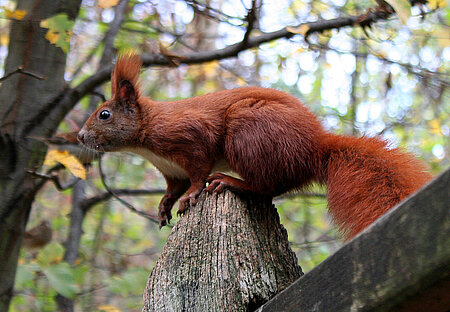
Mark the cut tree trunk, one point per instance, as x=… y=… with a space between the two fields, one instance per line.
x=226 y=254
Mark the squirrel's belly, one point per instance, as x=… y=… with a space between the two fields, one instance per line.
x=170 y=168
x=167 y=167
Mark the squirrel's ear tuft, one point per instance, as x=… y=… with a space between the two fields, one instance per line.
x=127 y=92
x=125 y=77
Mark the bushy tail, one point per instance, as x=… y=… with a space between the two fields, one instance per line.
x=365 y=178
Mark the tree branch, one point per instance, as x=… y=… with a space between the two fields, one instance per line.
x=94 y=200
x=54 y=178
x=251 y=20
x=20 y=70
x=148 y=216
x=207 y=9
x=65 y=101
x=234 y=49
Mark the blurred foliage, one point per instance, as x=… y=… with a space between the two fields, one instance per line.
x=59 y=30
x=389 y=80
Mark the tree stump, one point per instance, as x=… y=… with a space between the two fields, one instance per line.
x=226 y=254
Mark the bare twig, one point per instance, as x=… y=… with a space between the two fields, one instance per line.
x=148 y=216
x=20 y=70
x=251 y=19
x=320 y=240
x=91 y=290
x=207 y=9
x=147 y=252
x=89 y=202
x=54 y=178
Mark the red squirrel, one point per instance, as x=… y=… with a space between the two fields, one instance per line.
x=269 y=138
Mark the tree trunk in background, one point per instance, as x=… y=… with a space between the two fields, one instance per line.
x=77 y=214
x=225 y=254
x=22 y=100
x=72 y=243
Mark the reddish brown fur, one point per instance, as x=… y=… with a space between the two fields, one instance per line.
x=128 y=67
x=268 y=137
x=365 y=179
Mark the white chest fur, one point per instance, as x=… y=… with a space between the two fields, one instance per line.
x=170 y=168
x=166 y=166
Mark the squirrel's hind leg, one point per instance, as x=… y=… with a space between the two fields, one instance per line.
x=220 y=182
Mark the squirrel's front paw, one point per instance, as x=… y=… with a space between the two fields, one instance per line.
x=164 y=217
x=185 y=202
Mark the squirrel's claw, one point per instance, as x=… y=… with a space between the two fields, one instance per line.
x=186 y=202
x=164 y=217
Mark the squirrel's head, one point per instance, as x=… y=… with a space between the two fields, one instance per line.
x=115 y=124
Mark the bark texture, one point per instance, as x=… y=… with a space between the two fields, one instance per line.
x=22 y=100
x=226 y=254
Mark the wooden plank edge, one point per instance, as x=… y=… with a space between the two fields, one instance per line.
x=404 y=252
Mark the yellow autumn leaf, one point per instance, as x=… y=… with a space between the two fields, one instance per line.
x=435 y=126
x=241 y=82
x=59 y=30
x=16 y=14
x=402 y=8
x=4 y=39
x=67 y=160
x=300 y=30
x=298 y=51
x=105 y=4
x=108 y=308
x=442 y=37
x=435 y=4
x=44 y=24
x=211 y=68
x=52 y=36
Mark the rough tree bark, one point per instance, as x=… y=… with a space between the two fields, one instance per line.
x=22 y=98
x=226 y=254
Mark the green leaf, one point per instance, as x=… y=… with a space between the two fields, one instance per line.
x=131 y=282
x=25 y=274
x=79 y=272
x=402 y=8
x=447 y=15
x=59 y=30
x=51 y=253
x=118 y=285
x=62 y=279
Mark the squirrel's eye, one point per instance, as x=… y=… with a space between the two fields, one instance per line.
x=104 y=114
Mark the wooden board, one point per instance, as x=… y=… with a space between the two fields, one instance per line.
x=400 y=263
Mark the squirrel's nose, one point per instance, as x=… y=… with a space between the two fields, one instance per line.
x=80 y=136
